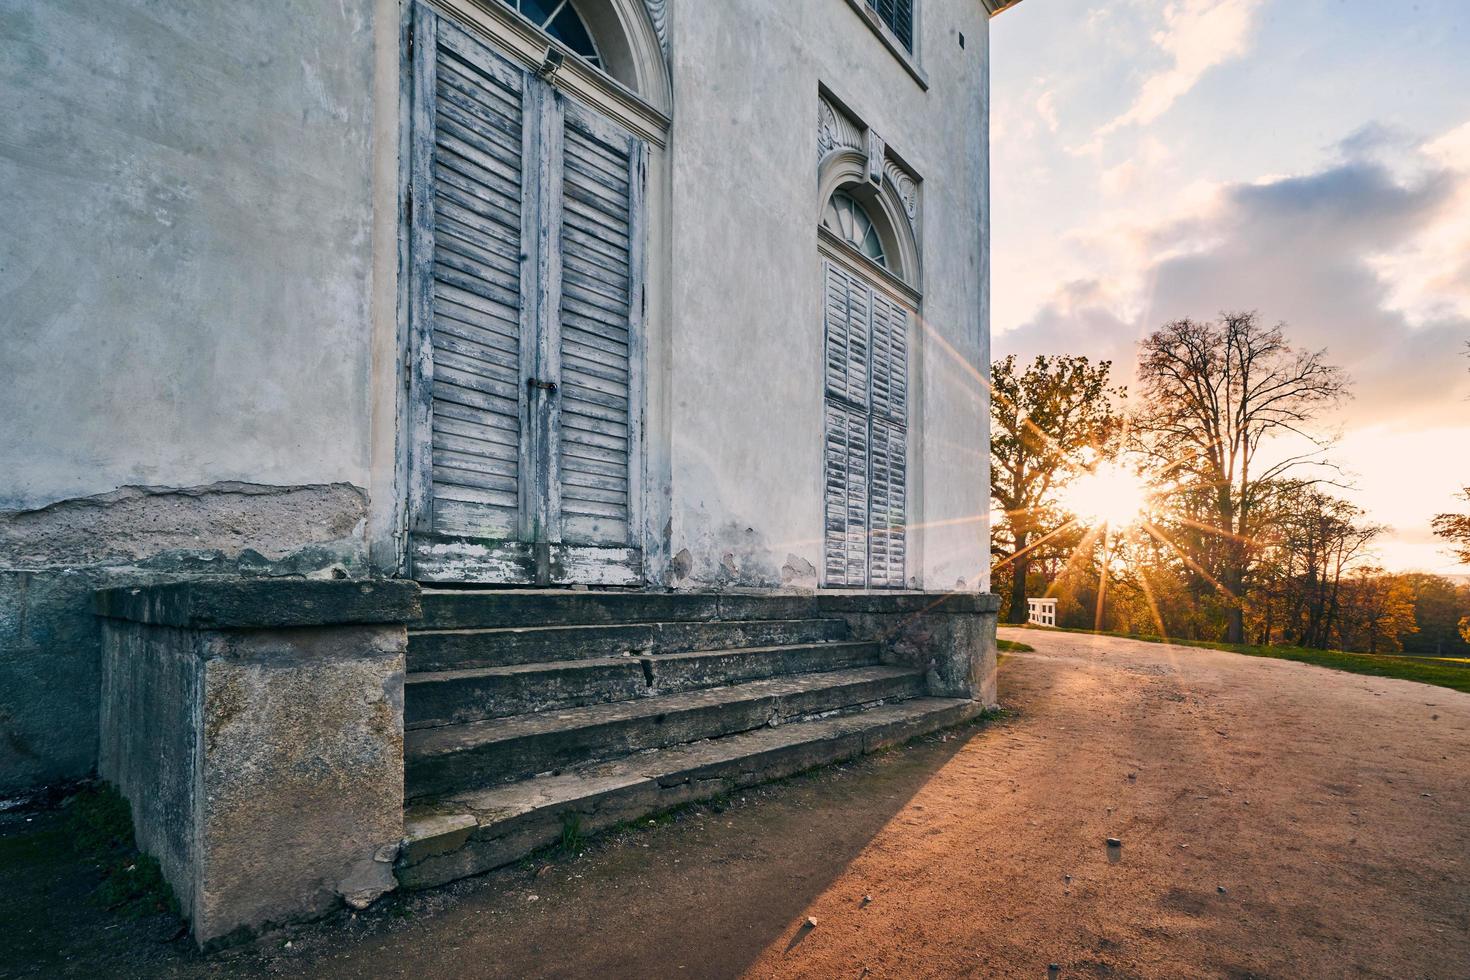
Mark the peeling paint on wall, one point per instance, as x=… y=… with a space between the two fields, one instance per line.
x=798 y=573
x=134 y=523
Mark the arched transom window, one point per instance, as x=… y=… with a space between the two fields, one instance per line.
x=559 y=19
x=847 y=219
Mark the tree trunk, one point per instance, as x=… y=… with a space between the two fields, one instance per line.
x=1018 y=612
x=1235 y=613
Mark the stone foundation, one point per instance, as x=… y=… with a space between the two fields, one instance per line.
x=256 y=727
x=948 y=635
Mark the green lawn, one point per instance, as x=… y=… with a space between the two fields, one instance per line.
x=1011 y=646
x=1447 y=672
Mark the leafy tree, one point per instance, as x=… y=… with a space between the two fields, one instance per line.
x=1052 y=420
x=1378 y=612
x=1213 y=394
x=1312 y=541
x=1455 y=528
x=1438 y=606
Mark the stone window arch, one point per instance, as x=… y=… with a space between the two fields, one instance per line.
x=854 y=165
x=627 y=40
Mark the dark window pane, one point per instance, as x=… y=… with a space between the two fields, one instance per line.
x=569 y=30
x=537 y=11
x=899 y=16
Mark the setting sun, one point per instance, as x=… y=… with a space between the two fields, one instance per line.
x=1110 y=494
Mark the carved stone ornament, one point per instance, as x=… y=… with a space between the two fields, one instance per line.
x=658 y=12
x=836 y=130
x=906 y=187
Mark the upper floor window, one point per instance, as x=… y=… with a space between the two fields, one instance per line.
x=899 y=16
x=559 y=19
x=845 y=218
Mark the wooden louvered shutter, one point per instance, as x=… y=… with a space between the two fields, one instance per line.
x=469 y=224
x=866 y=442
x=846 y=495
x=600 y=311
x=525 y=319
x=846 y=315
x=889 y=444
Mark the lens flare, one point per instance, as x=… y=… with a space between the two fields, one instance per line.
x=1111 y=495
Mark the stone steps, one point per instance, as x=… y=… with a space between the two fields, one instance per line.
x=463 y=647
x=530 y=711
x=462 y=834
x=446 y=697
x=483 y=753
x=480 y=608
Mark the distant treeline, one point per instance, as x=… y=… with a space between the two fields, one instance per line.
x=1239 y=532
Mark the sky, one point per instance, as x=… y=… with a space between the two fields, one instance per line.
x=1307 y=159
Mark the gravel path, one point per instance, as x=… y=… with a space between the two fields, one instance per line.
x=1275 y=819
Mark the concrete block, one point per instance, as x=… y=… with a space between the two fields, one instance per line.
x=264 y=766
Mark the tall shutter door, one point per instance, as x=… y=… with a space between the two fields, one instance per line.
x=888 y=510
x=525 y=317
x=468 y=200
x=846 y=315
x=865 y=511
x=600 y=309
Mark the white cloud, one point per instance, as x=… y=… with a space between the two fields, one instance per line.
x=1429 y=274
x=1197 y=35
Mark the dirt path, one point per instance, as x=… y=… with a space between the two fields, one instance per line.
x=1276 y=820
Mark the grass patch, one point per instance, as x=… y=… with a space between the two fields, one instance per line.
x=1012 y=646
x=572 y=840
x=100 y=827
x=1440 y=673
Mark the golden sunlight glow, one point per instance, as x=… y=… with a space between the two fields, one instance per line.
x=1110 y=494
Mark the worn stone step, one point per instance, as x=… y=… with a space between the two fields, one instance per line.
x=478 y=608
x=469 y=833
x=458 y=696
x=450 y=649
x=482 y=753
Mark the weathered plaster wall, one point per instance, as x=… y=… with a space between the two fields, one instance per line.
x=185 y=274
x=186 y=258
x=52 y=558
x=746 y=328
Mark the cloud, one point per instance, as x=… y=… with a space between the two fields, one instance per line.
x=1197 y=35
x=1429 y=273
x=1330 y=252
x=1365 y=257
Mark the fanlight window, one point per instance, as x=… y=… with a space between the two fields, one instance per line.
x=560 y=20
x=846 y=219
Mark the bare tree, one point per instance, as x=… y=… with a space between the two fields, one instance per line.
x=1213 y=394
x=1051 y=420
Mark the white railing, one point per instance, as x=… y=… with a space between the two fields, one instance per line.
x=1041 y=612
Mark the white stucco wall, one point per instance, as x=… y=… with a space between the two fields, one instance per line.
x=185 y=258
x=746 y=329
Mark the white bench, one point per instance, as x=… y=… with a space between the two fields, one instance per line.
x=1041 y=612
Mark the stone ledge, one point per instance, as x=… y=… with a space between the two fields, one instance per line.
x=905 y=603
x=262 y=603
